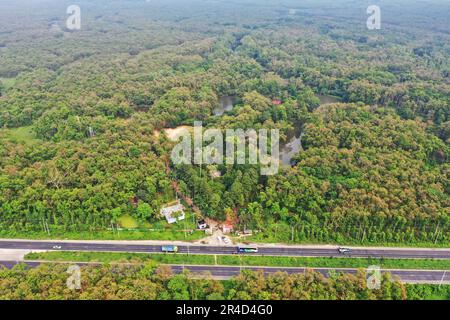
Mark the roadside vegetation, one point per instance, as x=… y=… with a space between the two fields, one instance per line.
x=237 y=260
x=149 y=282
x=133 y=234
x=428 y=292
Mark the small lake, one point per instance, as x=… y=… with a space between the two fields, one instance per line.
x=226 y=105
x=292 y=147
x=293 y=144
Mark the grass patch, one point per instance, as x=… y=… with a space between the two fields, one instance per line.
x=136 y=234
x=235 y=260
x=22 y=135
x=128 y=222
x=8 y=82
x=324 y=99
x=132 y=230
x=335 y=262
x=109 y=257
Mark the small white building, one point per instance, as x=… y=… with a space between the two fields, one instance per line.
x=173 y=213
x=202 y=225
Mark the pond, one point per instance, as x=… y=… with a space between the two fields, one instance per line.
x=292 y=146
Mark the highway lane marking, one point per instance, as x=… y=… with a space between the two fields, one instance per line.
x=411 y=253
x=442 y=279
x=182 y=243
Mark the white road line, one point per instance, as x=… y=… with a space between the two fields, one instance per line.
x=443 y=277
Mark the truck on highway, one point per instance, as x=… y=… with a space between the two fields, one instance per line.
x=169 y=249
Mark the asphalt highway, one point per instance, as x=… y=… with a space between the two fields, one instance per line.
x=205 y=249
x=411 y=276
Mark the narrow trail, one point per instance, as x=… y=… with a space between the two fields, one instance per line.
x=177 y=190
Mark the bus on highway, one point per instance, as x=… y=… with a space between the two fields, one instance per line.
x=247 y=250
x=171 y=249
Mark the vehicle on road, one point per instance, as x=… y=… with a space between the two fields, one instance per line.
x=169 y=249
x=344 y=250
x=56 y=247
x=247 y=250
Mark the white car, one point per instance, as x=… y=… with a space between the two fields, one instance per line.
x=344 y=250
x=226 y=240
x=57 y=247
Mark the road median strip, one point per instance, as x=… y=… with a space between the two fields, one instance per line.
x=241 y=260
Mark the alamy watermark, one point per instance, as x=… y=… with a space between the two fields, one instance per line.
x=74 y=280
x=374 y=20
x=234 y=146
x=74 y=20
x=373 y=280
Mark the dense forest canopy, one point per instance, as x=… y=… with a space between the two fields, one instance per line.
x=116 y=282
x=80 y=111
